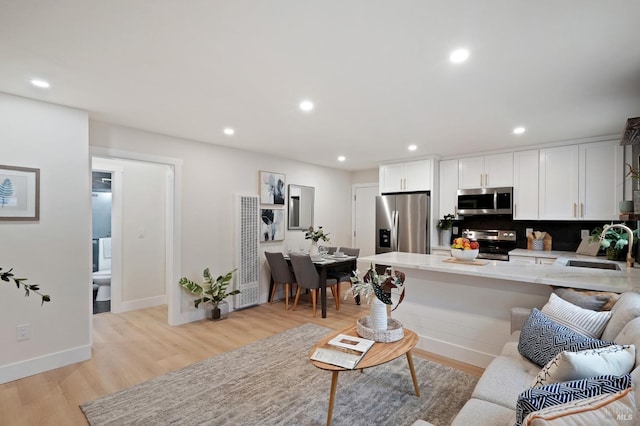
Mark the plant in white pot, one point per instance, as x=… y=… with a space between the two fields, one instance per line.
x=444 y=225
x=212 y=293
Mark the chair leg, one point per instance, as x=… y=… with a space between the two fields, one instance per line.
x=295 y=302
x=273 y=292
x=286 y=296
x=335 y=290
x=314 y=295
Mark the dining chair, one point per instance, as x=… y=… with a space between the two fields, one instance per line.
x=345 y=275
x=307 y=277
x=281 y=274
x=331 y=250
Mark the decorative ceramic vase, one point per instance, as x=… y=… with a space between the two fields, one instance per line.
x=378 y=315
x=219 y=311
x=313 y=250
x=445 y=237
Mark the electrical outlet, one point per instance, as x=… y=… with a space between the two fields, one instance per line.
x=584 y=233
x=23 y=332
x=528 y=232
x=454 y=230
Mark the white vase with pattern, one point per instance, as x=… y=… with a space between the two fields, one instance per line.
x=313 y=250
x=378 y=315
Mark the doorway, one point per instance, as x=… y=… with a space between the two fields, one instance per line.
x=101 y=202
x=364 y=207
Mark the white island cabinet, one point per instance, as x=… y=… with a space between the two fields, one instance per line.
x=462 y=311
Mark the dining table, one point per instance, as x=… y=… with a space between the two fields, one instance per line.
x=324 y=264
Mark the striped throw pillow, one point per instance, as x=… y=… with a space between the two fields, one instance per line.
x=584 y=321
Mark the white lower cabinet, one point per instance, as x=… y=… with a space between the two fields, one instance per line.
x=532 y=260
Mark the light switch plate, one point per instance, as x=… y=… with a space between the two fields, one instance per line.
x=454 y=230
x=528 y=232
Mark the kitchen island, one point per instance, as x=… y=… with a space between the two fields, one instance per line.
x=462 y=311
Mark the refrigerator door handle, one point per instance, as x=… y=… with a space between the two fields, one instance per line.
x=394 y=245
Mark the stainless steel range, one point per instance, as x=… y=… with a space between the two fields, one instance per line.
x=495 y=244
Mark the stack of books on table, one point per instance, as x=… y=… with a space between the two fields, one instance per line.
x=343 y=350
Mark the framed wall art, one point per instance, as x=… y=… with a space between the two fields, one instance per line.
x=272 y=188
x=271 y=225
x=19 y=193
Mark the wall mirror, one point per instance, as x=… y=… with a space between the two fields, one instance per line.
x=301 y=206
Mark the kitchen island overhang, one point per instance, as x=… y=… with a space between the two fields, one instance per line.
x=463 y=311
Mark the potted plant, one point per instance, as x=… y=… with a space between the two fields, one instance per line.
x=615 y=242
x=444 y=225
x=634 y=173
x=212 y=293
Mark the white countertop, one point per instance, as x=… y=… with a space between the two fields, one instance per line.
x=557 y=274
x=548 y=254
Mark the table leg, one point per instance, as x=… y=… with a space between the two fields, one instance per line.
x=413 y=374
x=332 y=396
x=323 y=291
x=271 y=283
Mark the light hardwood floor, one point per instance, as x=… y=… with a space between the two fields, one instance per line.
x=136 y=346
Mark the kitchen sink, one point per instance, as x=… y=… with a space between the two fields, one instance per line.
x=595 y=265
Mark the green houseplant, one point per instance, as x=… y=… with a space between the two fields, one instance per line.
x=8 y=276
x=615 y=241
x=444 y=226
x=211 y=292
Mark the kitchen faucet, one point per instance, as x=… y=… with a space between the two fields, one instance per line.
x=630 y=239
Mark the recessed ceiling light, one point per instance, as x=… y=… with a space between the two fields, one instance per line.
x=342 y=158
x=306 y=105
x=43 y=84
x=459 y=55
x=519 y=130
x=228 y=131
x=412 y=147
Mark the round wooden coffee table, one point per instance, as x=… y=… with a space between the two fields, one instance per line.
x=379 y=353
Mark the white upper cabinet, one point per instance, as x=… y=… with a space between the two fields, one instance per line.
x=525 y=185
x=581 y=182
x=486 y=171
x=448 y=187
x=406 y=177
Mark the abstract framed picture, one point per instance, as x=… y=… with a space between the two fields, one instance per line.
x=19 y=193
x=271 y=225
x=272 y=188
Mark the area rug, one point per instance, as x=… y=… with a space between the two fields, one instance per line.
x=272 y=382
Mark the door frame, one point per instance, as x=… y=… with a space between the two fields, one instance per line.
x=354 y=188
x=173 y=229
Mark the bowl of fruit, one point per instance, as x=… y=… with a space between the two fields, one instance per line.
x=464 y=249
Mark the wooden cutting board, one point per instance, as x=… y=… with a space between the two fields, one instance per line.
x=476 y=262
x=587 y=248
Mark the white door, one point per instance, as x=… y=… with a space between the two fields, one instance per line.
x=364 y=218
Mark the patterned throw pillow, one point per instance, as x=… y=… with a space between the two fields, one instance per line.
x=584 y=321
x=541 y=339
x=588 y=299
x=540 y=397
x=614 y=360
x=606 y=409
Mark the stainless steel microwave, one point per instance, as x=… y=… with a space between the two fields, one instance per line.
x=485 y=201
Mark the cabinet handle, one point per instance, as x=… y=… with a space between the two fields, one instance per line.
x=486 y=179
x=481 y=184
x=581 y=209
x=574 y=209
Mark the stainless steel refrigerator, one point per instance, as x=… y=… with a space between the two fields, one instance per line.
x=402 y=223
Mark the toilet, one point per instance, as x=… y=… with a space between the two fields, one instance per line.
x=102 y=277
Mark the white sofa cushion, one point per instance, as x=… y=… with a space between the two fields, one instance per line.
x=584 y=321
x=478 y=412
x=626 y=309
x=613 y=360
x=504 y=379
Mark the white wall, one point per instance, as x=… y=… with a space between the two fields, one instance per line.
x=55 y=251
x=211 y=176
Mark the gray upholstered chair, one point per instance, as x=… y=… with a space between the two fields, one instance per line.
x=331 y=250
x=345 y=275
x=281 y=274
x=307 y=277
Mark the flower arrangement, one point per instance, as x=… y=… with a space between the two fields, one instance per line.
x=210 y=291
x=446 y=222
x=316 y=236
x=381 y=286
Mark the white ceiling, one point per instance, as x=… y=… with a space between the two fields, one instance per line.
x=378 y=71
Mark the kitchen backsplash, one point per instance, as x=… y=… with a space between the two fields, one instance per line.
x=565 y=234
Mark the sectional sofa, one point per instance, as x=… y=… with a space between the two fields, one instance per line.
x=582 y=378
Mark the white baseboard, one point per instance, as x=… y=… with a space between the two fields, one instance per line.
x=459 y=353
x=143 y=303
x=19 y=370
